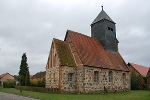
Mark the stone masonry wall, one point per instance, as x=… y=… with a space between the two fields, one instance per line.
x=67 y=86
x=52 y=69
x=117 y=84
x=83 y=80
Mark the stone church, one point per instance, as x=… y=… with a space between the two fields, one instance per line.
x=84 y=64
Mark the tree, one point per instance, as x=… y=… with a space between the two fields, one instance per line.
x=137 y=81
x=23 y=69
x=134 y=82
x=27 y=79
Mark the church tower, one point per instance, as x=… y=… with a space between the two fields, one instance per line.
x=103 y=29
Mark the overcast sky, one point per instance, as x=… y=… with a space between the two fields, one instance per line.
x=30 y=25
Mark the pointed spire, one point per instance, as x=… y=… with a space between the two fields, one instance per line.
x=102 y=15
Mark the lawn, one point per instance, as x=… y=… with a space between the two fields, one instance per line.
x=132 y=95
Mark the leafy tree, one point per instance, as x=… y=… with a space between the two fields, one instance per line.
x=23 y=69
x=27 y=79
x=137 y=81
x=141 y=82
x=134 y=82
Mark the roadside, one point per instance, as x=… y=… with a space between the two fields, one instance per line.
x=7 y=96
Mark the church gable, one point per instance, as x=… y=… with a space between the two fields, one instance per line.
x=64 y=53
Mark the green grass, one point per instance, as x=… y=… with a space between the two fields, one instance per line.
x=132 y=95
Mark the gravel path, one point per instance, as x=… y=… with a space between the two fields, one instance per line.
x=7 y=96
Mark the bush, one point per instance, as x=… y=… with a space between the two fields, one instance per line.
x=38 y=83
x=9 y=84
x=138 y=82
x=134 y=82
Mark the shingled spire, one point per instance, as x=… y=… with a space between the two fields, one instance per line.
x=103 y=29
x=101 y=16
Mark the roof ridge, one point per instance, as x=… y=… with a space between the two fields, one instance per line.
x=139 y=65
x=79 y=33
x=57 y=39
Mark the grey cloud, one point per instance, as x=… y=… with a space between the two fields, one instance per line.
x=29 y=26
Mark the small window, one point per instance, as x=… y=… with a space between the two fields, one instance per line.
x=111 y=29
x=110 y=76
x=70 y=77
x=54 y=75
x=49 y=75
x=124 y=78
x=95 y=76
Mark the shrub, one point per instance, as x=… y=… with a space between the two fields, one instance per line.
x=38 y=83
x=138 y=82
x=134 y=82
x=9 y=84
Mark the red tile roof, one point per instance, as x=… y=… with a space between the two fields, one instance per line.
x=93 y=54
x=1 y=76
x=141 y=69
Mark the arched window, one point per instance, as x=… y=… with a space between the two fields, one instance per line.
x=110 y=76
x=124 y=78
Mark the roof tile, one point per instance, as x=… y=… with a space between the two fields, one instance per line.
x=141 y=69
x=93 y=54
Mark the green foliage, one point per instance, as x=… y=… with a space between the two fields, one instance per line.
x=9 y=84
x=23 y=70
x=38 y=83
x=141 y=83
x=27 y=79
x=137 y=81
x=134 y=82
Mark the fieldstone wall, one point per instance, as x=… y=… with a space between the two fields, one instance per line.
x=67 y=86
x=117 y=83
x=83 y=80
x=52 y=69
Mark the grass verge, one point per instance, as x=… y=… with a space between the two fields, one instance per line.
x=132 y=95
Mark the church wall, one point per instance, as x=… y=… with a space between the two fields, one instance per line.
x=83 y=80
x=68 y=86
x=103 y=80
x=52 y=69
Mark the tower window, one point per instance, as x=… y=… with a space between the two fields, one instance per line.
x=109 y=28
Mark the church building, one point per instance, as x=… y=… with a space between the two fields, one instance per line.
x=88 y=64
